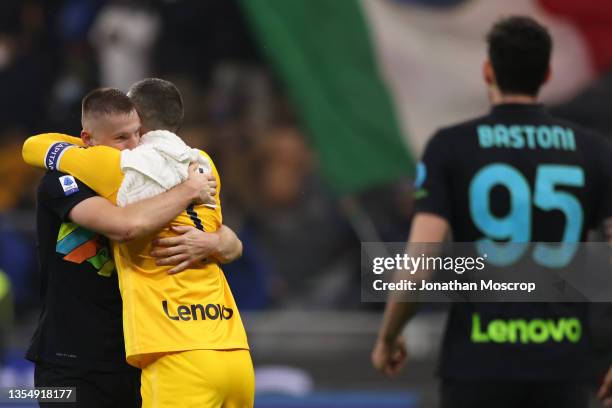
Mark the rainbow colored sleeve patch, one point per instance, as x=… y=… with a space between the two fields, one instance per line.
x=79 y=245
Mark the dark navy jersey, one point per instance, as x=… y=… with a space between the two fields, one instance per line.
x=80 y=321
x=517 y=175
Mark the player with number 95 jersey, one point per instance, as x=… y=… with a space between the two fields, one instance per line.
x=517 y=175
x=514 y=176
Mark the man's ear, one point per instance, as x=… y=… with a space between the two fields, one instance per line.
x=488 y=73
x=548 y=74
x=86 y=138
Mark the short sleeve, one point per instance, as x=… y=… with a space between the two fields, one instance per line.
x=432 y=185
x=55 y=151
x=61 y=192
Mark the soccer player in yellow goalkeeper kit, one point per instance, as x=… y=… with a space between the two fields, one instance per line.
x=183 y=330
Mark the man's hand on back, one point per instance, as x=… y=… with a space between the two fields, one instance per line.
x=186 y=249
x=192 y=246
x=203 y=185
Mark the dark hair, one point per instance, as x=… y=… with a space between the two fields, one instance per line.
x=106 y=101
x=519 y=50
x=159 y=104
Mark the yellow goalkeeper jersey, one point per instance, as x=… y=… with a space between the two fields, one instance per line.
x=162 y=313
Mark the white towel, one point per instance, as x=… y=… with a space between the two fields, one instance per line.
x=158 y=163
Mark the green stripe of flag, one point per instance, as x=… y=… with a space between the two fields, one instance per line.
x=323 y=51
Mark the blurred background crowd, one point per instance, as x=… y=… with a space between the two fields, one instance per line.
x=247 y=107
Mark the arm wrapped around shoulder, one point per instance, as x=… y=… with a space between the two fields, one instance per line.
x=46 y=149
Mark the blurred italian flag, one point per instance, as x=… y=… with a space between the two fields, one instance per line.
x=373 y=79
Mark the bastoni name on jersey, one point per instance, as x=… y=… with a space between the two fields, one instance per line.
x=407 y=285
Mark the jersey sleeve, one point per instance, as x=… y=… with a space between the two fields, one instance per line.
x=61 y=192
x=432 y=183
x=98 y=166
x=46 y=149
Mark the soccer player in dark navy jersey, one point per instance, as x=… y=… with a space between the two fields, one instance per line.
x=516 y=174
